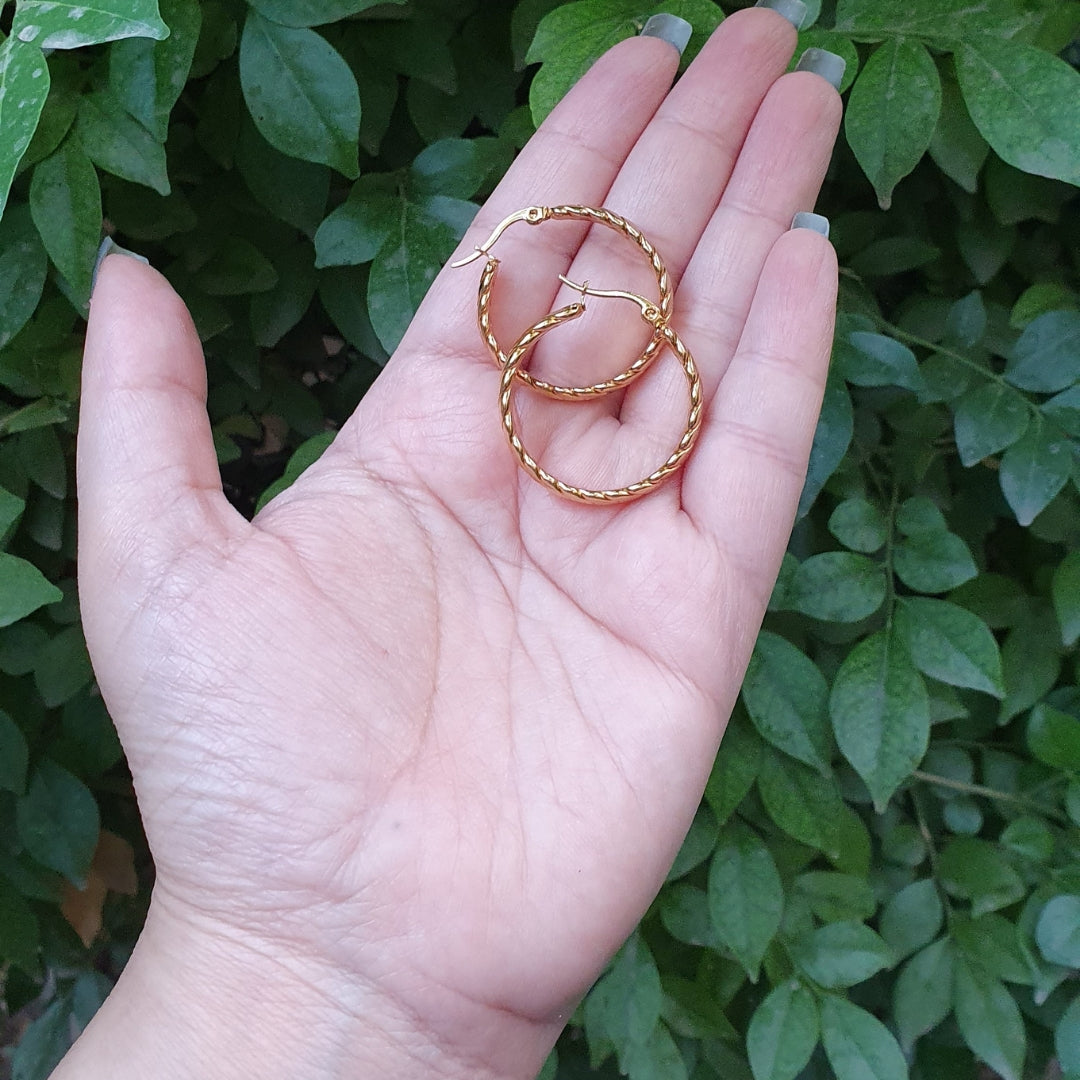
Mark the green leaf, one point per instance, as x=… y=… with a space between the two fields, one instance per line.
x=19 y=934
x=65 y=201
x=697 y=845
x=950 y=644
x=876 y=360
x=571 y=37
x=23 y=589
x=746 y=899
x=992 y=942
x=785 y=695
x=693 y=1010
x=58 y=821
x=1053 y=737
x=146 y=76
x=1064 y=410
x=1034 y=470
x=923 y=994
x=1057 y=932
x=684 y=911
x=859 y=525
x=301 y=94
x=989 y=418
x=14 y=757
x=343 y=293
x=24 y=87
x=1065 y=590
x=1030 y=837
x=1023 y=101
x=920 y=514
x=424 y=237
x=1038 y=299
x=989 y=1020
x=912 y=917
x=783 y=1033
x=977 y=870
x=275 y=312
x=892 y=112
x=63 y=667
x=836 y=897
x=894 y=255
x=1031 y=662
x=60 y=24
x=832 y=437
x=237 y=267
x=933 y=562
x=23 y=267
x=858 y=1045
x=45 y=1041
x=735 y=769
x=293 y=190
x=633 y=995
x=802 y=802
x=1046 y=358
x=313 y=12
x=654 y=1058
x=119 y=144
x=449 y=167
x=880 y=714
x=358 y=228
x=957 y=148
x=967 y=321
x=944 y=20
x=837 y=586
x=841 y=954
x=43 y=459
x=1067 y=1039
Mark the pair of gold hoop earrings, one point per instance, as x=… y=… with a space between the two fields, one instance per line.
x=656 y=314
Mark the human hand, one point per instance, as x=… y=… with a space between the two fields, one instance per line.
x=415 y=748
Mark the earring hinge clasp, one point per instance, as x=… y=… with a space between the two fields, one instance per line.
x=649 y=311
x=531 y=214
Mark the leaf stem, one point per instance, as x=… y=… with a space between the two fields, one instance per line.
x=987 y=793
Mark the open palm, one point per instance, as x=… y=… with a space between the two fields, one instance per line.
x=423 y=730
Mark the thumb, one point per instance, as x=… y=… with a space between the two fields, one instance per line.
x=148 y=481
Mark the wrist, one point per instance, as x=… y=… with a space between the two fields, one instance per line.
x=198 y=1002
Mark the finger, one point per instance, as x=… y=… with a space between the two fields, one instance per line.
x=147 y=473
x=669 y=188
x=779 y=172
x=743 y=481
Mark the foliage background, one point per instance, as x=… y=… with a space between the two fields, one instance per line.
x=883 y=878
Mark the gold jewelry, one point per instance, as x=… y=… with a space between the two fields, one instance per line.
x=656 y=313
x=536 y=215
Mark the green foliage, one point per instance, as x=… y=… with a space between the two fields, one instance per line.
x=882 y=878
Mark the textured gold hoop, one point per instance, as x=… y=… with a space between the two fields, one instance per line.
x=536 y=215
x=512 y=371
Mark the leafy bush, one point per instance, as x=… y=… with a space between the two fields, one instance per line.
x=885 y=872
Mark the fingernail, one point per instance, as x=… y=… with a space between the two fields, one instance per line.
x=824 y=63
x=669 y=28
x=792 y=10
x=814 y=222
x=110 y=247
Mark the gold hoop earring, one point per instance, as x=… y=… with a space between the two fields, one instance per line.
x=512 y=371
x=536 y=215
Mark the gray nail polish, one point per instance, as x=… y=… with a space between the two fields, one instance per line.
x=110 y=247
x=824 y=63
x=669 y=28
x=814 y=222
x=792 y=10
